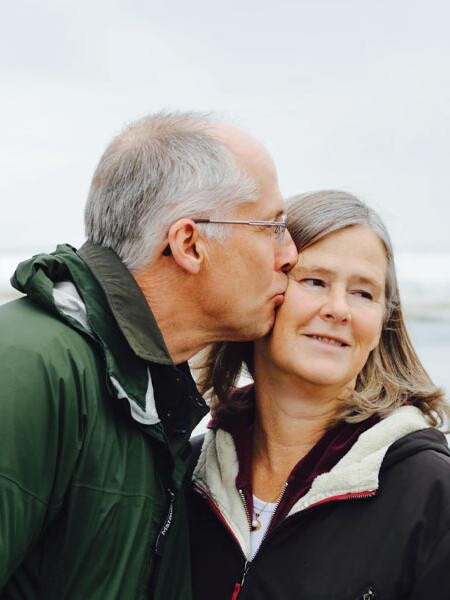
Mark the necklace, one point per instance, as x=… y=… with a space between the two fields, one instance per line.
x=256 y=523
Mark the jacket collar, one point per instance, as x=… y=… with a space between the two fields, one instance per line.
x=129 y=375
x=139 y=365
x=127 y=303
x=355 y=475
x=325 y=454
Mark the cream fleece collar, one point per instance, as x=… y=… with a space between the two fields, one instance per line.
x=356 y=474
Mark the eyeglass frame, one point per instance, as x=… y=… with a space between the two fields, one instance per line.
x=282 y=226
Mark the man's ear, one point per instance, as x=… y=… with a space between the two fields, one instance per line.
x=186 y=245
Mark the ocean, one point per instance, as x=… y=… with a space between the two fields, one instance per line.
x=425 y=289
x=431 y=340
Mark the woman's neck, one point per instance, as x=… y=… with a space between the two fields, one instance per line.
x=289 y=421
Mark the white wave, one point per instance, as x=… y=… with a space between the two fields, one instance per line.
x=424 y=281
x=8 y=264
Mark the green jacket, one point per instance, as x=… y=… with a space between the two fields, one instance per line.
x=89 y=474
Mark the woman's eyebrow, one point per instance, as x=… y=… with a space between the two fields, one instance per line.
x=315 y=268
x=318 y=270
x=363 y=279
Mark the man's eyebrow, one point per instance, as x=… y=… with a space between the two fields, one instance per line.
x=273 y=216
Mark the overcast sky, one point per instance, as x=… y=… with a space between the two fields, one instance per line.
x=351 y=94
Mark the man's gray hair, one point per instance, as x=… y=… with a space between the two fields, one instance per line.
x=159 y=169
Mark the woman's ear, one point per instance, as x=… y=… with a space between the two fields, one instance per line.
x=186 y=245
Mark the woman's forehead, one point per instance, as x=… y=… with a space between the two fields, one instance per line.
x=357 y=251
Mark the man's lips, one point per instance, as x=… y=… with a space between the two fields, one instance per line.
x=326 y=338
x=278 y=299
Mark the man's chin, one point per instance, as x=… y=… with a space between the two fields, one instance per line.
x=254 y=328
x=266 y=327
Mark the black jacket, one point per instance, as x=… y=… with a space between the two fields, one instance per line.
x=340 y=541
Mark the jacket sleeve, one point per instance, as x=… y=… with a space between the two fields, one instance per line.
x=434 y=580
x=40 y=439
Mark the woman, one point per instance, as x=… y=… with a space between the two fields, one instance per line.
x=327 y=479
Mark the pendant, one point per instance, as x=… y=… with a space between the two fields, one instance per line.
x=256 y=524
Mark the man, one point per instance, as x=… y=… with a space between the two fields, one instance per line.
x=186 y=246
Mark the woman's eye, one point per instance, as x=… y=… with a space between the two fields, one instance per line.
x=363 y=293
x=310 y=281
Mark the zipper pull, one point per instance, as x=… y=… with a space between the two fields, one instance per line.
x=161 y=539
x=238 y=586
x=236 y=591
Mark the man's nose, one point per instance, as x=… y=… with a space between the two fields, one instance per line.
x=285 y=253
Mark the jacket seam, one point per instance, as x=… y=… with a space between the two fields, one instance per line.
x=112 y=492
x=22 y=489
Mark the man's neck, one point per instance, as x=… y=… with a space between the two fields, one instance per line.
x=176 y=311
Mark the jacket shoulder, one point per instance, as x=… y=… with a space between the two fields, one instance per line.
x=51 y=377
x=426 y=449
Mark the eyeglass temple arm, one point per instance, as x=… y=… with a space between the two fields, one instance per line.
x=233 y=222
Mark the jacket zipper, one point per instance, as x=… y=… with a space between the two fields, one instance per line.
x=158 y=548
x=216 y=509
x=161 y=537
x=329 y=500
x=239 y=585
x=341 y=497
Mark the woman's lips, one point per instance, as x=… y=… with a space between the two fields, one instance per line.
x=328 y=340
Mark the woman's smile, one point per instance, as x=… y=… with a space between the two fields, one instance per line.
x=327 y=340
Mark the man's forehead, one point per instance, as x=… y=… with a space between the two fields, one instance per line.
x=250 y=154
x=263 y=209
x=254 y=160
x=236 y=139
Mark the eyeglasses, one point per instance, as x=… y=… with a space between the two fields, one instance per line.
x=278 y=227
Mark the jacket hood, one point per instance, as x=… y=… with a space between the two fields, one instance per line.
x=40 y=276
x=36 y=276
x=425 y=439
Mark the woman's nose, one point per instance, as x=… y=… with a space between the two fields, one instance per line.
x=336 y=307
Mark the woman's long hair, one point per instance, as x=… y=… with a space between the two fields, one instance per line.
x=393 y=374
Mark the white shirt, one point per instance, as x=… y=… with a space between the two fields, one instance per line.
x=265 y=511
